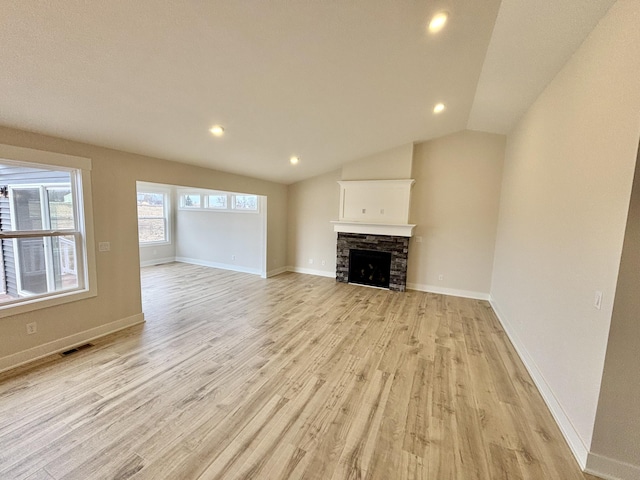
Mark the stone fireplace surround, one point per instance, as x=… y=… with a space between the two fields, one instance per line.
x=398 y=246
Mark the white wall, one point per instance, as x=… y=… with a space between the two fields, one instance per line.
x=567 y=180
x=231 y=240
x=455 y=208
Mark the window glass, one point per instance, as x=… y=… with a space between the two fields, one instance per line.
x=191 y=200
x=60 y=201
x=27 y=209
x=152 y=217
x=246 y=202
x=217 y=201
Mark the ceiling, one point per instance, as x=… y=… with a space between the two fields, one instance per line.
x=329 y=81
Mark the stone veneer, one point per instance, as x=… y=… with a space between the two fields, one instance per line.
x=398 y=246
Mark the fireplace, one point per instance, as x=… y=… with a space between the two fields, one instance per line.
x=395 y=248
x=369 y=267
x=373 y=232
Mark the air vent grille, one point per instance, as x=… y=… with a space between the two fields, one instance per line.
x=76 y=349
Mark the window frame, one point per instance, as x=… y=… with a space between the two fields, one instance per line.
x=245 y=210
x=47 y=232
x=80 y=169
x=204 y=201
x=166 y=201
x=183 y=200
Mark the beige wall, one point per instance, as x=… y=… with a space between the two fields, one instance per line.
x=313 y=204
x=455 y=208
x=567 y=180
x=392 y=164
x=454 y=204
x=114 y=178
x=617 y=429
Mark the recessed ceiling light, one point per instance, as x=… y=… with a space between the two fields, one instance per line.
x=294 y=160
x=217 y=130
x=438 y=108
x=437 y=22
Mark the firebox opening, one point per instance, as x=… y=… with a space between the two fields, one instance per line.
x=368 y=267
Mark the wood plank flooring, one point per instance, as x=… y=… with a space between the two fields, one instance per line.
x=237 y=377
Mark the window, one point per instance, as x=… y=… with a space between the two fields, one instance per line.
x=221 y=201
x=245 y=202
x=153 y=225
x=217 y=201
x=43 y=236
x=191 y=200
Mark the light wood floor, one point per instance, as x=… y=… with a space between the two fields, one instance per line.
x=297 y=376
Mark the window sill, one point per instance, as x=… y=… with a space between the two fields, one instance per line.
x=37 y=303
x=217 y=210
x=154 y=244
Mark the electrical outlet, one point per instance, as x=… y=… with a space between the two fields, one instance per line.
x=104 y=246
x=597 y=301
x=311 y=261
x=32 y=328
x=441 y=277
x=323 y=263
x=233 y=257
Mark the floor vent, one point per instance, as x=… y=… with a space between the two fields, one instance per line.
x=77 y=349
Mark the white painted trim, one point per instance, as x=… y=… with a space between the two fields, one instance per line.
x=448 y=291
x=610 y=469
x=571 y=435
x=156 y=261
x=62 y=344
x=309 y=271
x=43 y=157
x=390 y=229
x=277 y=271
x=262 y=199
x=223 y=266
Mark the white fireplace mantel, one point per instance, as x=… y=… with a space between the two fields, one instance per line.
x=391 y=229
x=375 y=207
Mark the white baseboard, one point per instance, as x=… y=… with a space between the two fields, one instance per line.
x=448 y=291
x=576 y=444
x=277 y=271
x=610 y=469
x=309 y=271
x=157 y=261
x=66 y=343
x=223 y=266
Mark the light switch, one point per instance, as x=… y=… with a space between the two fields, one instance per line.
x=597 y=302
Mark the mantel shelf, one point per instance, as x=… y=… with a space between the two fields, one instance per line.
x=392 y=229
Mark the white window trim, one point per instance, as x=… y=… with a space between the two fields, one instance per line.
x=145 y=188
x=84 y=218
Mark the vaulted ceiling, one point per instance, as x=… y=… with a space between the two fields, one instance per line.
x=329 y=81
